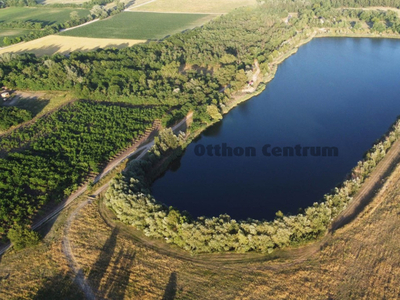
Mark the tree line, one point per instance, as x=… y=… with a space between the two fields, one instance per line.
x=130 y=198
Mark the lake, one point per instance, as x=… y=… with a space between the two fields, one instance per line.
x=334 y=92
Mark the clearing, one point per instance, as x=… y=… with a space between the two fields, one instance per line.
x=192 y=6
x=52 y=44
x=140 y=25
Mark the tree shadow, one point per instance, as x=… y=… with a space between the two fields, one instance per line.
x=170 y=290
x=100 y=266
x=33 y=104
x=118 y=280
x=59 y=287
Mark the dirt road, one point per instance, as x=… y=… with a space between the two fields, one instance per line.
x=369 y=188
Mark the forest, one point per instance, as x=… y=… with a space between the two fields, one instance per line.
x=11 y=116
x=48 y=160
x=130 y=88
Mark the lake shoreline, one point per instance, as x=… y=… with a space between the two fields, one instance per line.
x=262 y=82
x=264 y=79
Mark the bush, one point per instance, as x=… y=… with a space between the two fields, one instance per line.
x=21 y=237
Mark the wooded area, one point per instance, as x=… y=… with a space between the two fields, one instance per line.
x=194 y=70
x=48 y=160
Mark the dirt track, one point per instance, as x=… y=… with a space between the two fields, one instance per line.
x=369 y=188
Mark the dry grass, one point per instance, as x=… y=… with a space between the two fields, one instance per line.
x=193 y=6
x=39 y=272
x=65 y=44
x=360 y=261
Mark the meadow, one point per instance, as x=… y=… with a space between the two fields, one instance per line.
x=139 y=26
x=52 y=44
x=12 y=33
x=46 y=16
x=193 y=6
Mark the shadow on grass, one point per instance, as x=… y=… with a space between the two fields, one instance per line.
x=170 y=290
x=100 y=266
x=118 y=280
x=32 y=104
x=59 y=287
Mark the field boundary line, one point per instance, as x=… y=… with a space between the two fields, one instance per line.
x=140 y=5
x=174 y=12
x=84 y=24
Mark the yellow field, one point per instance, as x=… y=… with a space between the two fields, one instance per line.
x=192 y=6
x=65 y=44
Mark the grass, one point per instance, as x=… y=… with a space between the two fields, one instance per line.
x=360 y=261
x=140 y=26
x=45 y=2
x=65 y=44
x=47 y=16
x=12 y=33
x=194 y=6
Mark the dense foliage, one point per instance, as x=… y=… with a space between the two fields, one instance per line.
x=152 y=73
x=21 y=237
x=197 y=70
x=50 y=158
x=10 y=116
x=129 y=197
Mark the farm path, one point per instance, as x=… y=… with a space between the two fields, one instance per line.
x=67 y=246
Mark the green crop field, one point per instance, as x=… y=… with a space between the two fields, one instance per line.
x=48 y=16
x=12 y=33
x=140 y=25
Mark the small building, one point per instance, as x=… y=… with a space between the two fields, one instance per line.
x=5 y=96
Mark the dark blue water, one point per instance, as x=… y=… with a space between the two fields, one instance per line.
x=341 y=92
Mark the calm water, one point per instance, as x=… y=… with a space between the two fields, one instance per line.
x=340 y=92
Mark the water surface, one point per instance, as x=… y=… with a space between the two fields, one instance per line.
x=341 y=92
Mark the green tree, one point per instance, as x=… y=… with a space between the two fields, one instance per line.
x=7 y=41
x=74 y=15
x=21 y=237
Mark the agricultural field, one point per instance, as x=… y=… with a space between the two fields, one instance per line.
x=46 y=16
x=52 y=44
x=49 y=2
x=12 y=33
x=50 y=167
x=140 y=26
x=192 y=6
